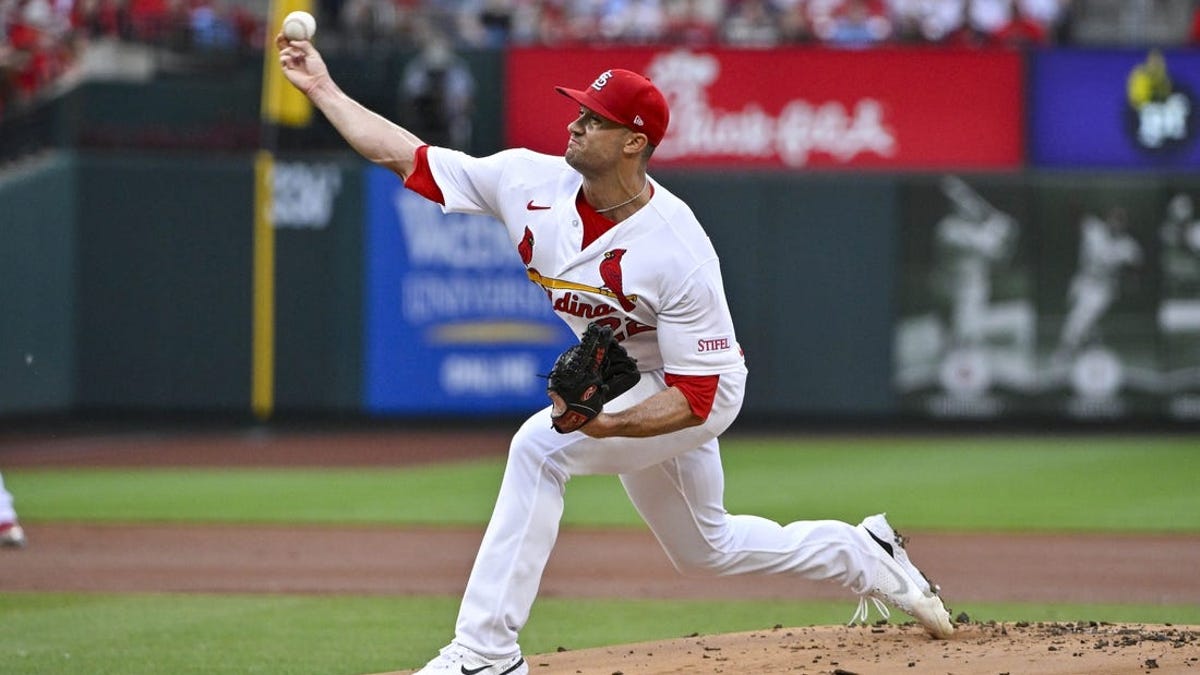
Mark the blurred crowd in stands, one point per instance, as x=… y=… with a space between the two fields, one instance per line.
x=40 y=40
x=767 y=23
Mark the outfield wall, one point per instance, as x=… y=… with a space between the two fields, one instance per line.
x=1027 y=247
x=127 y=287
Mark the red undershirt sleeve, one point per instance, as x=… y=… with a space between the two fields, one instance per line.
x=699 y=390
x=421 y=179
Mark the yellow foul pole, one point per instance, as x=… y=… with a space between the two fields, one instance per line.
x=282 y=105
x=262 y=390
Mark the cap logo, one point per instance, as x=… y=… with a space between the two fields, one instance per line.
x=637 y=119
x=602 y=80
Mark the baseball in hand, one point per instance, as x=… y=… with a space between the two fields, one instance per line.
x=299 y=26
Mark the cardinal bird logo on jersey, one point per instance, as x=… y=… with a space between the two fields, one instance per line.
x=525 y=248
x=610 y=272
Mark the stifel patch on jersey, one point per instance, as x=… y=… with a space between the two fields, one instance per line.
x=718 y=344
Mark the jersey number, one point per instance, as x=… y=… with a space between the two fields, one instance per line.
x=623 y=328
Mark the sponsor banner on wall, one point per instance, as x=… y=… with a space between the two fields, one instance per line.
x=794 y=109
x=1069 y=297
x=303 y=194
x=1114 y=108
x=452 y=322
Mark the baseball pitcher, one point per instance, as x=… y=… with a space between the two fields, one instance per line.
x=626 y=264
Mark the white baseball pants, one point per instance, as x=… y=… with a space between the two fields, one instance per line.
x=675 y=481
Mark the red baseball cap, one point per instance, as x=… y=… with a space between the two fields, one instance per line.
x=627 y=98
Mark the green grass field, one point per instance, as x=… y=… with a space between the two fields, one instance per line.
x=1093 y=484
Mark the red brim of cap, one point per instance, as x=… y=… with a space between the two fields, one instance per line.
x=586 y=100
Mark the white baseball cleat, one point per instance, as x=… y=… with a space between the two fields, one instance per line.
x=899 y=583
x=11 y=535
x=455 y=659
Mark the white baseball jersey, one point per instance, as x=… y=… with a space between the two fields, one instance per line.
x=655 y=278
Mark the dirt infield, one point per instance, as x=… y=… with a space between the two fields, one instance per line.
x=970 y=568
x=1045 y=649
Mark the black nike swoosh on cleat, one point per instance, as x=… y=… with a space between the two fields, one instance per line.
x=472 y=671
x=886 y=546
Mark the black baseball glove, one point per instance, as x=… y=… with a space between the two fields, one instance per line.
x=588 y=375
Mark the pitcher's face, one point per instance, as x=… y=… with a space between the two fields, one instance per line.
x=595 y=143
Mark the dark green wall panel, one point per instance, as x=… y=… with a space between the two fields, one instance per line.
x=164 y=291
x=37 y=304
x=808 y=268
x=318 y=288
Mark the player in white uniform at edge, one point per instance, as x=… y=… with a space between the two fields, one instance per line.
x=11 y=533
x=608 y=243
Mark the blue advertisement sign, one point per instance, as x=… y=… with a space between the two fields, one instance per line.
x=1115 y=108
x=453 y=323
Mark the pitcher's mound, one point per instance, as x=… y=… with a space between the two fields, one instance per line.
x=976 y=649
